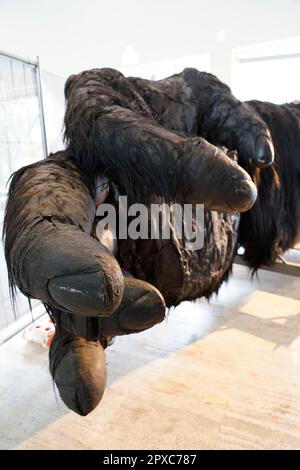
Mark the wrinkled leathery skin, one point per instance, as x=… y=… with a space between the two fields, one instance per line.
x=77 y=360
x=50 y=253
x=142 y=307
x=78 y=367
x=230 y=122
x=232 y=185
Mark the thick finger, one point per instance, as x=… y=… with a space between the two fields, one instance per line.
x=214 y=179
x=78 y=368
x=224 y=120
x=83 y=277
x=49 y=251
x=141 y=308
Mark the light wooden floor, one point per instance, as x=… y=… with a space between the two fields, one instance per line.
x=219 y=376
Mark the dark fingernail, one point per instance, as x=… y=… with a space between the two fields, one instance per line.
x=264 y=152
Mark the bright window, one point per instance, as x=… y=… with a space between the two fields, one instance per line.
x=166 y=68
x=268 y=71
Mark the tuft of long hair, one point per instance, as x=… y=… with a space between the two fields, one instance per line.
x=273 y=224
x=13 y=223
x=109 y=129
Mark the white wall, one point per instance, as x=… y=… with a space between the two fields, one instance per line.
x=72 y=35
x=54 y=109
x=269 y=71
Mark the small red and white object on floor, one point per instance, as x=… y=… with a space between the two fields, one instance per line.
x=40 y=332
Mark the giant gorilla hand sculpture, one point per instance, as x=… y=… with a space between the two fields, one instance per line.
x=145 y=137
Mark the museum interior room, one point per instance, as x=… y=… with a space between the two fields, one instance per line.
x=171 y=328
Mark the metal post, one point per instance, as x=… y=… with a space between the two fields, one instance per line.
x=41 y=106
x=21 y=59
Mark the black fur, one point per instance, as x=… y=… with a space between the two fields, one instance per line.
x=144 y=135
x=273 y=224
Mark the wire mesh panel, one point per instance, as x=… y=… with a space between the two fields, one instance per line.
x=22 y=142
